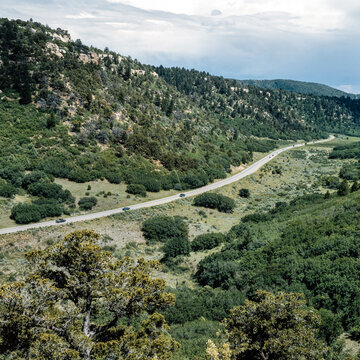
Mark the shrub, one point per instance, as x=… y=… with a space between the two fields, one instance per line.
x=151 y=184
x=136 y=189
x=207 y=241
x=113 y=177
x=25 y=213
x=87 y=203
x=80 y=175
x=176 y=246
x=7 y=190
x=244 y=193
x=34 y=177
x=215 y=201
x=217 y=270
x=162 y=228
x=46 y=190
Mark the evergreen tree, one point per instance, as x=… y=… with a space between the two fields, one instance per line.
x=271 y=327
x=75 y=302
x=343 y=189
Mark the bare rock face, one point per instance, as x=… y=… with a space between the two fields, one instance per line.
x=63 y=38
x=54 y=49
x=137 y=72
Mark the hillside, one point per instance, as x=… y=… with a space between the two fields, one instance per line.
x=300 y=87
x=79 y=113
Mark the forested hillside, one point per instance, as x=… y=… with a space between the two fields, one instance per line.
x=309 y=245
x=300 y=87
x=76 y=112
x=273 y=113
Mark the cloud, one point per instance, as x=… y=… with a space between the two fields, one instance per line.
x=312 y=40
x=82 y=15
x=349 y=89
x=216 y=12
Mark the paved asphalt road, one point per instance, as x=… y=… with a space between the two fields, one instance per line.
x=248 y=171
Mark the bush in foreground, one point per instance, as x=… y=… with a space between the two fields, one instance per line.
x=60 y=298
x=271 y=327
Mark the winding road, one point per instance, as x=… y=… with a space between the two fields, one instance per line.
x=246 y=172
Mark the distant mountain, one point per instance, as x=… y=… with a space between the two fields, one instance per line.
x=299 y=87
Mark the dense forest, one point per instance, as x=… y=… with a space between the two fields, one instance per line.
x=273 y=113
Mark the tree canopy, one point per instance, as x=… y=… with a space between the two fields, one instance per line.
x=79 y=302
x=271 y=327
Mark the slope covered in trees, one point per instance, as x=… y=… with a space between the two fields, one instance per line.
x=80 y=113
x=273 y=113
x=300 y=87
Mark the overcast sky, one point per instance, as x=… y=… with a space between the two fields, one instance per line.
x=309 y=40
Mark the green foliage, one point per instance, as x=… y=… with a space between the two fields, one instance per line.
x=25 y=213
x=151 y=184
x=350 y=172
x=163 y=228
x=87 y=203
x=215 y=201
x=298 y=87
x=207 y=241
x=244 y=193
x=114 y=177
x=355 y=186
x=274 y=327
x=75 y=301
x=176 y=247
x=349 y=151
x=193 y=337
x=136 y=189
x=331 y=182
x=330 y=327
x=310 y=246
x=7 y=190
x=203 y=302
x=344 y=188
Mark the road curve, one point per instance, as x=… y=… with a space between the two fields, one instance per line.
x=246 y=172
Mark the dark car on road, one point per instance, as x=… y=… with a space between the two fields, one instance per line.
x=182 y=195
x=126 y=208
x=58 y=221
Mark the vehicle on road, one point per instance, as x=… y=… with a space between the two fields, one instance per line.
x=182 y=195
x=58 y=221
x=126 y=208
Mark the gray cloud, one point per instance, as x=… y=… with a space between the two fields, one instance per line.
x=216 y=12
x=265 y=44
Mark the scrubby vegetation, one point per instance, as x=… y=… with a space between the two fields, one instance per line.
x=163 y=228
x=207 y=241
x=215 y=201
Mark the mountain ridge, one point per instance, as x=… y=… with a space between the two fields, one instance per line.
x=301 y=87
